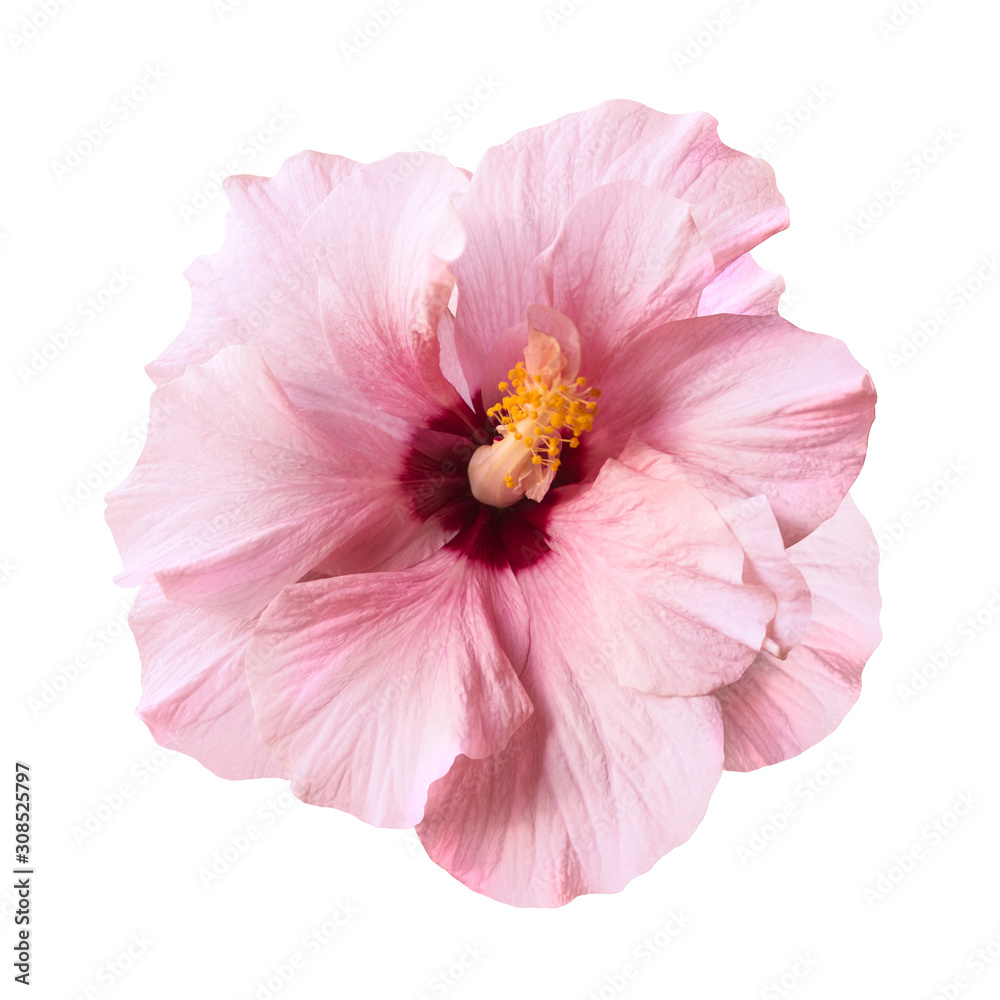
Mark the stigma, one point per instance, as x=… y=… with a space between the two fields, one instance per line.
x=544 y=408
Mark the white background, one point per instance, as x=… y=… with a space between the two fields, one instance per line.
x=822 y=908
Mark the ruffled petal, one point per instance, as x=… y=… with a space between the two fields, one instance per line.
x=236 y=495
x=195 y=697
x=384 y=238
x=750 y=406
x=626 y=258
x=655 y=579
x=779 y=708
x=591 y=791
x=521 y=191
x=745 y=288
x=451 y=367
x=259 y=289
x=766 y=563
x=368 y=686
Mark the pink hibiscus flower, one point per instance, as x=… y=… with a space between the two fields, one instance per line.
x=505 y=506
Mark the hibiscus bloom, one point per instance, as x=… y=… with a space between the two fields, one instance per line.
x=505 y=506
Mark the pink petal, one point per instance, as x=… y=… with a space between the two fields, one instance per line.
x=236 y=495
x=627 y=258
x=507 y=350
x=521 y=191
x=768 y=565
x=591 y=791
x=779 y=708
x=750 y=406
x=766 y=562
x=743 y=288
x=384 y=237
x=368 y=686
x=451 y=367
x=653 y=571
x=260 y=288
x=195 y=697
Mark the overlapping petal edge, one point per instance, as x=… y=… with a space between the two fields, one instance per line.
x=548 y=692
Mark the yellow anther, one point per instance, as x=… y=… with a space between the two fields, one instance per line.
x=534 y=413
